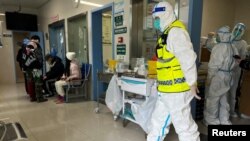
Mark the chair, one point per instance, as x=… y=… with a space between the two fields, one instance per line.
x=77 y=84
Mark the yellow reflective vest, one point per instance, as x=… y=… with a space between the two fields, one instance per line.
x=170 y=76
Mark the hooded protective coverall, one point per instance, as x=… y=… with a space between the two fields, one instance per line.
x=219 y=80
x=241 y=47
x=175 y=107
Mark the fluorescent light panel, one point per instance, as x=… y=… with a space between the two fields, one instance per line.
x=90 y=3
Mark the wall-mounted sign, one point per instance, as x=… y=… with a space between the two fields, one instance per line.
x=121 y=30
x=107 y=29
x=119 y=20
x=121 y=49
x=54 y=18
x=7 y=35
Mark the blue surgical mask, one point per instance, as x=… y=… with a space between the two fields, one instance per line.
x=157 y=24
x=237 y=33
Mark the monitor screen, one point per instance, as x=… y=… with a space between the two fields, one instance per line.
x=21 y=21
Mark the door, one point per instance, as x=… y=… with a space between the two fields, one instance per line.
x=97 y=43
x=57 y=39
x=77 y=37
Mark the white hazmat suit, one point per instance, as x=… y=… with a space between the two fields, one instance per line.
x=241 y=47
x=175 y=107
x=219 y=80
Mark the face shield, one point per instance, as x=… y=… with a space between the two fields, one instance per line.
x=156 y=17
x=238 y=31
x=163 y=16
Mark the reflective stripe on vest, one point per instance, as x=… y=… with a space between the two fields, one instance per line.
x=170 y=76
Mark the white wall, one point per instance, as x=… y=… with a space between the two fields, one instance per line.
x=7 y=61
x=217 y=13
x=7 y=69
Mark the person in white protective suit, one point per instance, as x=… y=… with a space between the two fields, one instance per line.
x=241 y=46
x=219 y=80
x=176 y=78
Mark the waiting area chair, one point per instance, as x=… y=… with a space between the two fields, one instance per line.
x=78 y=84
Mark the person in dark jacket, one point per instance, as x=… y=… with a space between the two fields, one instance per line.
x=20 y=59
x=19 y=56
x=244 y=106
x=28 y=65
x=36 y=67
x=245 y=64
x=56 y=70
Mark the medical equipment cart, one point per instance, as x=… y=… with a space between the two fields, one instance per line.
x=135 y=86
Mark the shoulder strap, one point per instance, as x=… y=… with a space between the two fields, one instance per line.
x=176 y=23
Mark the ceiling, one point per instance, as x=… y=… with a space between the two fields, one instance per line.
x=23 y=3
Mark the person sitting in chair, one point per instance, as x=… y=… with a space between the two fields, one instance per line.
x=72 y=72
x=56 y=71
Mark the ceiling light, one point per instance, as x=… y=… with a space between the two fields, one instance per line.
x=2 y=14
x=108 y=15
x=90 y=3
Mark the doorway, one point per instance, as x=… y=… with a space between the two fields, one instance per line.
x=57 y=39
x=98 y=44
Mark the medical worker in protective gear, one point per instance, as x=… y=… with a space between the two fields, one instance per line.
x=176 y=77
x=241 y=46
x=219 y=80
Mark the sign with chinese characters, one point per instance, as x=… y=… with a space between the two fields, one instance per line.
x=121 y=30
x=119 y=20
x=121 y=49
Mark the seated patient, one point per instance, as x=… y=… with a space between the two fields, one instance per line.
x=72 y=72
x=56 y=70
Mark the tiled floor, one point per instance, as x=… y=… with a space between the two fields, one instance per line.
x=70 y=122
